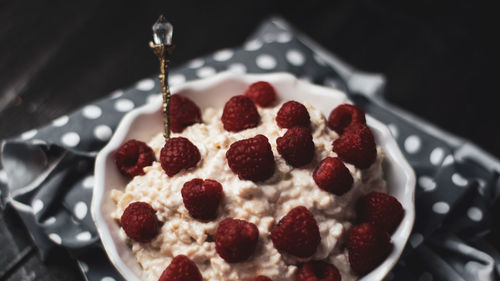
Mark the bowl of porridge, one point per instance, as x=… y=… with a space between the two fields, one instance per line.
x=284 y=191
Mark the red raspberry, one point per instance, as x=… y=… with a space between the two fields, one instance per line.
x=296 y=146
x=345 y=115
x=132 y=157
x=262 y=93
x=183 y=112
x=332 y=175
x=368 y=246
x=381 y=209
x=297 y=233
x=181 y=268
x=139 y=222
x=262 y=278
x=201 y=198
x=293 y=114
x=236 y=240
x=357 y=146
x=239 y=114
x=177 y=154
x=251 y=159
x=318 y=271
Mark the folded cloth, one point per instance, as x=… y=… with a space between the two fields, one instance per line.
x=49 y=170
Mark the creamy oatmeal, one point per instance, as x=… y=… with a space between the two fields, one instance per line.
x=263 y=203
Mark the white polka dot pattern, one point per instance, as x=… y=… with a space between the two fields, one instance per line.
x=84 y=236
x=61 y=121
x=55 y=238
x=412 y=144
x=37 y=206
x=92 y=112
x=196 y=63
x=457 y=179
x=70 y=139
x=436 y=156
x=295 y=57
x=103 y=132
x=28 y=134
x=145 y=85
x=238 y=68
x=416 y=239
x=205 y=71
x=80 y=210
x=266 y=61
x=427 y=183
x=176 y=79
x=88 y=182
x=124 y=105
x=223 y=55
x=475 y=214
x=441 y=208
x=116 y=94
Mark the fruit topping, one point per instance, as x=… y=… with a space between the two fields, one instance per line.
x=236 y=240
x=132 y=157
x=181 y=268
x=293 y=114
x=356 y=146
x=251 y=159
x=201 y=198
x=332 y=176
x=344 y=116
x=177 y=154
x=297 y=233
x=183 y=112
x=368 y=245
x=318 y=271
x=239 y=114
x=381 y=209
x=296 y=146
x=262 y=93
x=139 y=222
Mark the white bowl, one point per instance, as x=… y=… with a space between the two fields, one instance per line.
x=143 y=123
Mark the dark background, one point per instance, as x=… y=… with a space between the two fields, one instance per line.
x=56 y=56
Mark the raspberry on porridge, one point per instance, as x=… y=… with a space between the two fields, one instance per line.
x=252 y=194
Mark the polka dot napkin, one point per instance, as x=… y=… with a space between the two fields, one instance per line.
x=49 y=170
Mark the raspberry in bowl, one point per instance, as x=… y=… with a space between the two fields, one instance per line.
x=274 y=206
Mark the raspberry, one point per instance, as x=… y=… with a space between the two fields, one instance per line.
x=251 y=159
x=381 y=209
x=181 y=268
x=297 y=233
x=236 y=240
x=332 y=176
x=183 y=112
x=262 y=278
x=368 y=246
x=293 y=114
x=132 y=157
x=296 y=146
x=239 y=114
x=177 y=154
x=345 y=115
x=262 y=93
x=201 y=198
x=139 y=222
x=318 y=271
x=357 y=146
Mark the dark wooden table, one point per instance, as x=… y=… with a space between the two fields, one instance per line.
x=56 y=56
